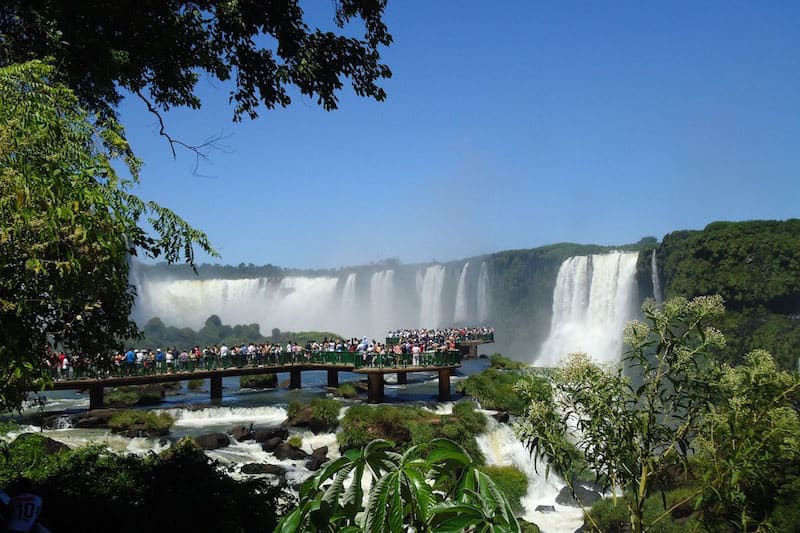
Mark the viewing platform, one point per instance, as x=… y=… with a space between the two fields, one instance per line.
x=442 y=362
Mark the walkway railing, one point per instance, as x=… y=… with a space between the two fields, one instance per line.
x=484 y=337
x=356 y=360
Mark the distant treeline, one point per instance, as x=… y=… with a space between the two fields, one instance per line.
x=158 y=335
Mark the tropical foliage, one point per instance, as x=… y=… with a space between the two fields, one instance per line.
x=407 y=426
x=95 y=489
x=494 y=389
x=755 y=267
x=68 y=226
x=434 y=486
x=631 y=431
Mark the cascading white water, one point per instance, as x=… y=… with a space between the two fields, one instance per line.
x=657 y=296
x=430 y=315
x=284 y=304
x=593 y=299
x=483 y=294
x=501 y=447
x=381 y=291
x=461 y=314
x=349 y=293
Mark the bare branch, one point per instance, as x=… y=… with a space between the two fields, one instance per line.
x=200 y=151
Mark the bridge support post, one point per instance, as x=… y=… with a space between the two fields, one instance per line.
x=294 y=378
x=216 y=389
x=402 y=378
x=375 y=388
x=333 y=378
x=444 y=385
x=96 y=396
x=473 y=351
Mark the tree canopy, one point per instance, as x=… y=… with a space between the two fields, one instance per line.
x=68 y=226
x=158 y=49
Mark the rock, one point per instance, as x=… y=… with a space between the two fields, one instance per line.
x=585 y=492
x=545 y=509
x=141 y=430
x=305 y=418
x=241 y=433
x=318 y=458
x=501 y=416
x=50 y=446
x=263 y=468
x=270 y=445
x=212 y=441
x=286 y=451
x=265 y=434
x=96 y=418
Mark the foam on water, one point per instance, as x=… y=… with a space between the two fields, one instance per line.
x=217 y=416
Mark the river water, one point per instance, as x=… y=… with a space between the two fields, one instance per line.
x=194 y=416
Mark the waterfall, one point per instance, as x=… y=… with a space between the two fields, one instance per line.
x=657 y=296
x=349 y=293
x=430 y=313
x=381 y=296
x=462 y=311
x=483 y=294
x=593 y=299
x=502 y=448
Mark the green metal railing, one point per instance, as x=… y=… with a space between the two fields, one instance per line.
x=241 y=361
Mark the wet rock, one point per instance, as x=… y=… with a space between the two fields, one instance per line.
x=241 y=433
x=587 y=493
x=212 y=441
x=318 y=458
x=305 y=418
x=286 y=451
x=50 y=446
x=263 y=468
x=141 y=430
x=501 y=416
x=270 y=445
x=265 y=434
x=96 y=418
x=545 y=509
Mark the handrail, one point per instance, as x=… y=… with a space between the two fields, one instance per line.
x=335 y=359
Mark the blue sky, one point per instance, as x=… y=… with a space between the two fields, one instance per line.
x=507 y=125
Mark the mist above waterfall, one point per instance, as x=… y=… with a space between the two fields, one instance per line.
x=366 y=302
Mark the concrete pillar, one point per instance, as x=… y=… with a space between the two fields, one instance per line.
x=333 y=378
x=216 y=389
x=402 y=378
x=375 y=388
x=444 y=385
x=96 y=396
x=473 y=351
x=294 y=378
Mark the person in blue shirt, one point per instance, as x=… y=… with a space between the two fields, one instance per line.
x=130 y=360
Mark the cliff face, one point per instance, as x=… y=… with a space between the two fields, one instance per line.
x=755 y=266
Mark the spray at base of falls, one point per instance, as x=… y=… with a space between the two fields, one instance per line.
x=502 y=448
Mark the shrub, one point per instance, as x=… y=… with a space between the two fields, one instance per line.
x=294 y=407
x=494 y=389
x=326 y=411
x=195 y=384
x=135 y=395
x=295 y=441
x=151 y=421
x=501 y=362
x=511 y=481
x=259 y=381
x=347 y=390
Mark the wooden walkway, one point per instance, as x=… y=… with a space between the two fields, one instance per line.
x=375 y=378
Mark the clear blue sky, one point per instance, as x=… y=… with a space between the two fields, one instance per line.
x=507 y=125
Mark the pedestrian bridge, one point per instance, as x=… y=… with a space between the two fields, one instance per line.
x=214 y=369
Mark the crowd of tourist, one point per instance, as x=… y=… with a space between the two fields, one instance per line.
x=402 y=347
